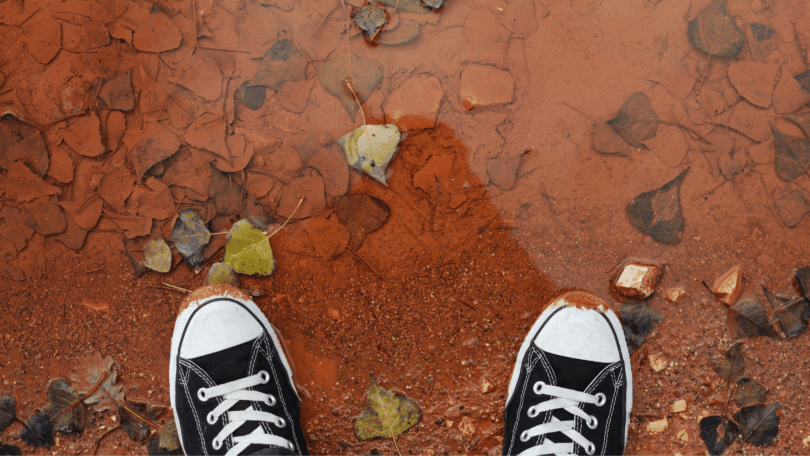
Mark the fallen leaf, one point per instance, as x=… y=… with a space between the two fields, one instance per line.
x=747 y=318
x=802 y=278
x=730 y=366
x=208 y=132
x=84 y=136
x=762 y=40
x=90 y=369
x=10 y=449
x=116 y=186
x=204 y=78
x=637 y=120
x=370 y=148
x=42 y=36
x=252 y=96
x=13 y=227
x=804 y=80
x=791 y=314
x=65 y=409
x=46 y=218
x=405 y=32
x=117 y=93
x=639 y=320
x=754 y=80
x=190 y=236
x=158 y=143
x=227 y=194
x=38 y=431
x=607 y=141
x=23 y=186
x=792 y=155
x=7 y=411
x=715 y=32
x=759 y=424
x=165 y=442
x=85 y=36
x=84 y=213
x=727 y=287
x=361 y=215
x=802 y=120
x=157 y=33
x=385 y=414
x=411 y=6
x=363 y=73
x=157 y=256
x=61 y=165
x=658 y=214
x=283 y=62
x=502 y=170
x=749 y=392
x=248 y=250
x=222 y=273
x=137 y=419
x=718 y=432
x=369 y=19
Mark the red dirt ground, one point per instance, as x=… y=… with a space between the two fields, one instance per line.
x=435 y=303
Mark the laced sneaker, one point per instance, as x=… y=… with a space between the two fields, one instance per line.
x=571 y=390
x=232 y=386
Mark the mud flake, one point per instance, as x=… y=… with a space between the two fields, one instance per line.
x=363 y=73
x=762 y=40
x=754 y=80
x=437 y=169
x=116 y=186
x=607 y=141
x=658 y=214
x=749 y=120
x=259 y=184
x=13 y=227
x=414 y=104
x=84 y=37
x=204 y=79
x=283 y=62
x=308 y=186
x=361 y=215
x=46 y=218
x=115 y=127
x=331 y=164
x=802 y=120
x=31 y=150
x=42 y=38
x=117 y=93
x=789 y=95
x=676 y=78
x=157 y=33
x=61 y=167
x=84 y=213
x=791 y=208
x=73 y=236
x=208 y=132
x=84 y=136
x=132 y=225
x=637 y=120
x=406 y=31
x=158 y=143
x=22 y=185
x=485 y=86
x=715 y=32
x=156 y=203
x=294 y=95
x=748 y=318
x=240 y=153
x=329 y=238
x=670 y=146
x=227 y=194
x=503 y=170
x=792 y=155
x=761 y=153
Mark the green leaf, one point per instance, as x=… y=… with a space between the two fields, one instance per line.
x=190 y=236
x=65 y=408
x=385 y=414
x=363 y=73
x=369 y=148
x=157 y=256
x=248 y=250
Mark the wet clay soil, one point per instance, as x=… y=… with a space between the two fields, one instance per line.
x=436 y=302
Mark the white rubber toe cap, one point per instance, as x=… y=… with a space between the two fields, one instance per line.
x=580 y=333
x=216 y=326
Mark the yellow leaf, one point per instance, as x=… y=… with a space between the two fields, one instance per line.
x=248 y=250
x=385 y=414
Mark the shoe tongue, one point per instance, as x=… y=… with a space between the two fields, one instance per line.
x=574 y=374
x=224 y=366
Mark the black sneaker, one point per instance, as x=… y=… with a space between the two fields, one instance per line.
x=232 y=386
x=572 y=390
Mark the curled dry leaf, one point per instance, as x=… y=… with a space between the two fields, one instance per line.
x=637 y=121
x=639 y=320
x=658 y=213
x=792 y=155
x=7 y=411
x=385 y=414
x=248 y=250
x=157 y=256
x=165 y=442
x=87 y=374
x=282 y=63
x=364 y=75
x=749 y=393
x=369 y=19
x=38 y=431
x=190 y=236
x=65 y=409
x=718 y=432
x=791 y=314
x=715 y=32
x=10 y=449
x=731 y=364
x=138 y=418
x=759 y=424
x=748 y=318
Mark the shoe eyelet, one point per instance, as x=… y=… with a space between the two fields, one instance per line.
x=600 y=399
x=270 y=401
x=524 y=436
x=211 y=418
x=201 y=394
x=592 y=422
x=217 y=444
x=264 y=376
x=533 y=412
x=538 y=387
x=281 y=423
x=291 y=447
x=591 y=448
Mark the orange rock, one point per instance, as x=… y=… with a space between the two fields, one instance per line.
x=637 y=281
x=727 y=287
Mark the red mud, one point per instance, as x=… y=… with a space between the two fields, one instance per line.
x=493 y=211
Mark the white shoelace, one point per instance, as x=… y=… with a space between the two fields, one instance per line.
x=567 y=400
x=233 y=392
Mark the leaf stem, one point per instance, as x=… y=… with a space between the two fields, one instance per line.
x=288 y=218
x=176 y=287
x=147 y=420
x=89 y=393
x=395 y=444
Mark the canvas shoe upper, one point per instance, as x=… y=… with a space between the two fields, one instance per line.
x=232 y=389
x=571 y=389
